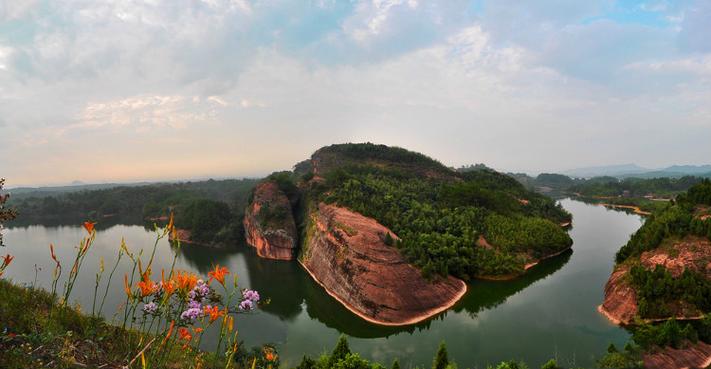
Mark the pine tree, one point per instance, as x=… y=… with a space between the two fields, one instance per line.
x=306 y=363
x=396 y=364
x=389 y=239
x=441 y=361
x=339 y=352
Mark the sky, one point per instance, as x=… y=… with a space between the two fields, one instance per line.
x=124 y=90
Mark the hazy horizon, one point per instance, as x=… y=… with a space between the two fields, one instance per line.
x=130 y=91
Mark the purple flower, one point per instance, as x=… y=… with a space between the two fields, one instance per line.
x=246 y=305
x=191 y=314
x=200 y=291
x=192 y=304
x=150 y=308
x=251 y=295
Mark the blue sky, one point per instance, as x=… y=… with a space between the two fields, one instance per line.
x=125 y=90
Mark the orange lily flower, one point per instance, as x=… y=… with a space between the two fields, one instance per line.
x=218 y=274
x=269 y=354
x=197 y=330
x=51 y=252
x=147 y=287
x=214 y=312
x=89 y=226
x=170 y=331
x=186 y=281
x=184 y=334
x=6 y=260
x=126 y=287
x=168 y=285
x=170 y=222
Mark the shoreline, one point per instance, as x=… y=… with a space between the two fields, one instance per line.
x=634 y=209
x=424 y=316
x=526 y=267
x=601 y=309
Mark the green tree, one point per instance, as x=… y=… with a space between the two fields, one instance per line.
x=551 y=364
x=306 y=363
x=441 y=360
x=5 y=214
x=339 y=352
x=396 y=364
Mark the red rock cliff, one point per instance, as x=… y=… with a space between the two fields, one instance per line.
x=346 y=253
x=692 y=253
x=268 y=223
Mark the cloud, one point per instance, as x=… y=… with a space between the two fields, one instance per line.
x=532 y=85
x=694 y=34
x=146 y=112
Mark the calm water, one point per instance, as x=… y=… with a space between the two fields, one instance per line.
x=551 y=312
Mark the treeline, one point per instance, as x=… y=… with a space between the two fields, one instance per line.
x=677 y=220
x=343 y=358
x=607 y=186
x=211 y=210
x=439 y=222
x=657 y=288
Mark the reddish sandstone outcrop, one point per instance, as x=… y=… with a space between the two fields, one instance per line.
x=346 y=253
x=620 y=305
x=269 y=224
x=693 y=253
x=695 y=356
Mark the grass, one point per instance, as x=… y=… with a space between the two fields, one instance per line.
x=37 y=332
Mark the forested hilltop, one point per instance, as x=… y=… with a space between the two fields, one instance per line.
x=445 y=222
x=664 y=273
x=211 y=210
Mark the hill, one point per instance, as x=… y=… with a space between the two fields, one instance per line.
x=402 y=212
x=661 y=283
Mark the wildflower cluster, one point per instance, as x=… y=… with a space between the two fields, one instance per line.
x=176 y=308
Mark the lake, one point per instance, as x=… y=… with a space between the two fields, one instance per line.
x=550 y=312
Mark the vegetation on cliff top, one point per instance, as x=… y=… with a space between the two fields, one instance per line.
x=438 y=213
x=660 y=294
x=684 y=217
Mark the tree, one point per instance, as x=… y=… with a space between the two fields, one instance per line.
x=551 y=364
x=306 y=363
x=441 y=360
x=396 y=364
x=5 y=214
x=389 y=239
x=339 y=352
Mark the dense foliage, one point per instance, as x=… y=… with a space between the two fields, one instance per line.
x=656 y=288
x=209 y=221
x=439 y=221
x=197 y=206
x=343 y=358
x=675 y=221
x=672 y=333
x=6 y=214
x=634 y=187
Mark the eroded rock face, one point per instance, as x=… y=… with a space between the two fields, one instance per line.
x=691 y=253
x=695 y=356
x=347 y=254
x=269 y=224
x=620 y=305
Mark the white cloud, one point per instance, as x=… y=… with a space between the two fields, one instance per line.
x=146 y=112
x=5 y=53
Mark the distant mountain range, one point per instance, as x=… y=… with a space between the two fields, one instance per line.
x=633 y=170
